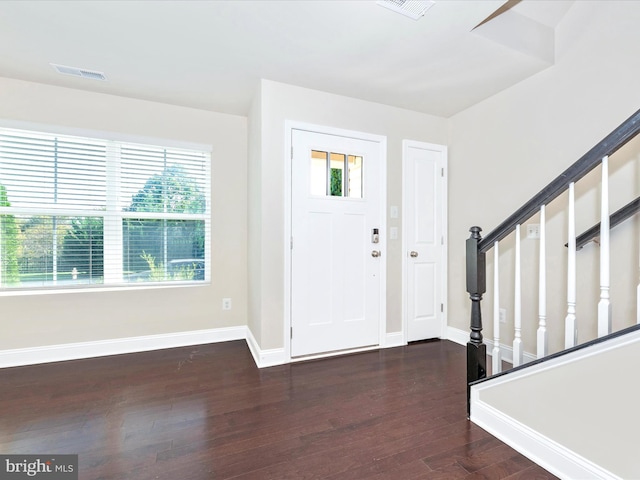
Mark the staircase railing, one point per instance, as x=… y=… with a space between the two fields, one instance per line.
x=616 y=218
x=476 y=248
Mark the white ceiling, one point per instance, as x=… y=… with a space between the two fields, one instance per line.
x=211 y=54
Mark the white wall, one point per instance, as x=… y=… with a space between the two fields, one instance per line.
x=507 y=148
x=280 y=102
x=45 y=319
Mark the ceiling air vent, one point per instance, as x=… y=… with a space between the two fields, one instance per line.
x=79 y=72
x=410 y=8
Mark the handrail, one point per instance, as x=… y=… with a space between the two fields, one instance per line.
x=616 y=218
x=609 y=145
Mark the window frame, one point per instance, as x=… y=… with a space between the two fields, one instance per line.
x=112 y=216
x=345 y=175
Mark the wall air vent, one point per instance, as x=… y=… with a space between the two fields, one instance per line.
x=79 y=72
x=411 y=8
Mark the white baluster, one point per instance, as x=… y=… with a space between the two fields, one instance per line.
x=542 y=290
x=496 y=356
x=517 y=314
x=570 y=325
x=604 y=306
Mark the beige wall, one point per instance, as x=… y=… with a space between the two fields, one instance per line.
x=280 y=102
x=507 y=148
x=37 y=320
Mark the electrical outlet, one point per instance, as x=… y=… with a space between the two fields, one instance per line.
x=503 y=315
x=226 y=304
x=533 y=230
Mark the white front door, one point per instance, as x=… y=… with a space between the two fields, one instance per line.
x=335 y=260
x=424 y=218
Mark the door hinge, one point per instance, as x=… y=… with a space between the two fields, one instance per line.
x=291 y=333
x=291 y=243
x=291 y=152
x=442 y=172
x=442 y=307
x=442 y=240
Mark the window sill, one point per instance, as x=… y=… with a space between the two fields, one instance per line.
x=101 y=288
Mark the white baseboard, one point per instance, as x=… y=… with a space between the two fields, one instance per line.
x=265 y=358
x=461 y=337
x=547 y=453
x=393 y=339
x=457 y=336
x=277 y=356
x=100 y=348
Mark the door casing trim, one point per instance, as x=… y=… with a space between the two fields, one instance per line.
x=381 y=140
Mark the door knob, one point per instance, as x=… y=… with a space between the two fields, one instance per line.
x=376 y=253
x=413 y=254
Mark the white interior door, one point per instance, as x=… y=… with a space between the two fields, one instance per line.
x=424 y=218
x=335 y=262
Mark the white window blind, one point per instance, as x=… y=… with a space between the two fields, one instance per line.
x=85 y=211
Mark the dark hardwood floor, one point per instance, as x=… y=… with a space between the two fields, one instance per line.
x=207 y=412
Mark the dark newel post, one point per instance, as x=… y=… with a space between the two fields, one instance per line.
x=476 y=286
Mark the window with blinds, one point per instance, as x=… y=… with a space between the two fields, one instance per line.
x=85 y=211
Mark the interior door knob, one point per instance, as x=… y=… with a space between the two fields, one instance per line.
x=413 y=254
x=376 y=253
